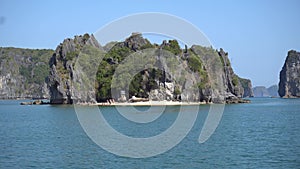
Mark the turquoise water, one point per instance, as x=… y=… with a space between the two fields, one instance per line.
x=262 y=134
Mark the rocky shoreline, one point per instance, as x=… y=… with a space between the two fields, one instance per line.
x=162 y=103
x=141 y=103
x=35 y=102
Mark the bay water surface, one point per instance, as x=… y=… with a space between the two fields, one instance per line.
x=262 y=134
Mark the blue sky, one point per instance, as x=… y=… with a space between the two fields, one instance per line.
x=257 y=34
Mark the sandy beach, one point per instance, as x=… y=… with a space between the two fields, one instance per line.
x=151 y=103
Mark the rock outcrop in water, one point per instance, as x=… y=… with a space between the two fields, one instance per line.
x=289 y=85
x=211 y=74
x=23 y=73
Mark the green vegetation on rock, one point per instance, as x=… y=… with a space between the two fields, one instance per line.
x=173 y=47
x=235 y=80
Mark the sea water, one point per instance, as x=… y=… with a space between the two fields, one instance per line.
x=262 y=134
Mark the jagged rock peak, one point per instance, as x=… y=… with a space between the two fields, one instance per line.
x=69 y=44
x=221 y=52
x=62 y=72
x=136 y=41
x=289 y=84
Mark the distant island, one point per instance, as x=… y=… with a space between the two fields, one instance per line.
x=262 y=91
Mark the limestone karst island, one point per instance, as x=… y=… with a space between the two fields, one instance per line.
x=53 y=75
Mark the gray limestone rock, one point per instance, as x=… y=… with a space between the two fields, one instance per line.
x=289 y=85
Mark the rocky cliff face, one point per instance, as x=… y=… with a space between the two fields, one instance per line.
x=232 y=83
x=236 y=85
x=23 y=73
x=289 y=85
x=222 y=84
x=247 y=86
x=63 y=77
